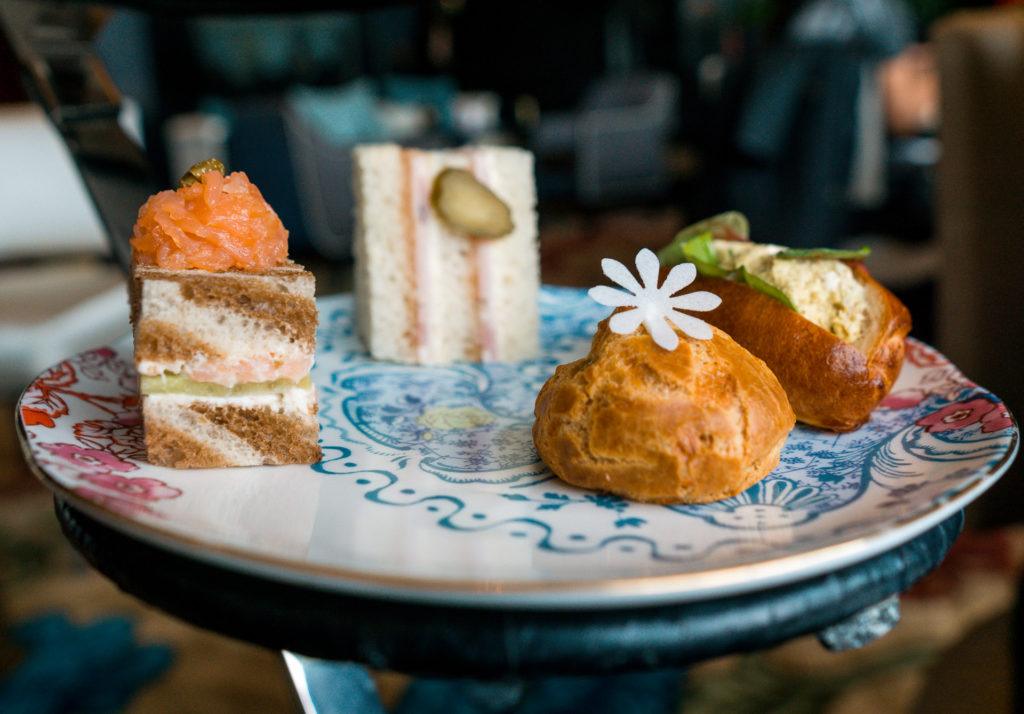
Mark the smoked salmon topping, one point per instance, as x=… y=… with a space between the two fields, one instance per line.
x=217 y=223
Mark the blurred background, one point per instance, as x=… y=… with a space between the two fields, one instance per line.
x=897 y=124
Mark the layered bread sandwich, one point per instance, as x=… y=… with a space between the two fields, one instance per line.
x=446 y=254
x=831 y=333
x=224 y=328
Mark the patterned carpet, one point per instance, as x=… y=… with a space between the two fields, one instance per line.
x=42 y=581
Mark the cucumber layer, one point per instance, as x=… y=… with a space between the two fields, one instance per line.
x=179 y=384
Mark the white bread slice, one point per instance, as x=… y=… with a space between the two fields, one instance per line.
x=425 y=294
x=383 y=314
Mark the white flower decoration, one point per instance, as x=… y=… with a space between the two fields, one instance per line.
x=652 y=305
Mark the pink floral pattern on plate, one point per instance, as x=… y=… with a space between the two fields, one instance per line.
x=92 y=398
x=993 y=416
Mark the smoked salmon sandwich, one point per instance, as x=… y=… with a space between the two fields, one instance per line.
x=224 y=327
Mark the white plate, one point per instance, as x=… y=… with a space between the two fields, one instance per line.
x=430 y=489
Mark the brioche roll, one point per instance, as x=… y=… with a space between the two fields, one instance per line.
x=694 y=425
x=830 y=383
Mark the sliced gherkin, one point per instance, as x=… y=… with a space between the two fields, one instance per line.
x=468 y=207
x=196 y=171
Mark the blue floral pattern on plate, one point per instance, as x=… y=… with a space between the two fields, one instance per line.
x=443 y=428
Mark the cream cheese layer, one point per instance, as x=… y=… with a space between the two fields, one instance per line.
x=296 y=400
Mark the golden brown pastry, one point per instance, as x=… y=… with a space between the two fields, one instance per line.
x=693 y=425
x=831 y=383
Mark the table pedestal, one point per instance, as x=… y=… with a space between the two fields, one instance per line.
x=445 y=641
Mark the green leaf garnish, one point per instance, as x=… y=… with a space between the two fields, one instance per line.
x=763 y=286
x=693 y=245
x=823 y=253
x=695 y=249
x=698 y=250
x=731 y=225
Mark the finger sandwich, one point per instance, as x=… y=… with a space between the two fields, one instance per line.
x=446 y=254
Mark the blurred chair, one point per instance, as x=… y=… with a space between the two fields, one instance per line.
x=322 y=179
x=621 y=138
x=980 y=201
